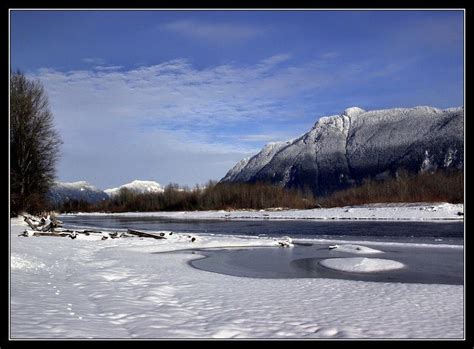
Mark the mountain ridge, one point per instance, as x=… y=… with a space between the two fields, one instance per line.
x=81 y=191
x=340 y=150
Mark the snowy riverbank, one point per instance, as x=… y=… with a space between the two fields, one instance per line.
x=385 y=212
x=122 y=288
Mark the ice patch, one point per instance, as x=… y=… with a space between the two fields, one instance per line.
x=354 y=249
x=361 y=264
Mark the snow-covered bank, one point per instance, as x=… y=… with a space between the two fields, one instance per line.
x=121 y=288
x=385 y=212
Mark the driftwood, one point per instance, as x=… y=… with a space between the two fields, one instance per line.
x=46 y=227
x=43 y=224
x=145 y=235
x=30 y=223
x=41 y=233
x=38 y=233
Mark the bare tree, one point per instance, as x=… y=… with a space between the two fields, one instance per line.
x=34 y=144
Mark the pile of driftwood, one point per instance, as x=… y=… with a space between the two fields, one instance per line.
x=51 y=226
x=43 y=224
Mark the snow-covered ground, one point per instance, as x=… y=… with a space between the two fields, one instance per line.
x=386 y=212
x=122 y=288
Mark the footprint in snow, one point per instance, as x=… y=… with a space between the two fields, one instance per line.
x=327 y=332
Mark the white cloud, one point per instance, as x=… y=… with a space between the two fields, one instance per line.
x=174 y=94
x=329 y=55
x=93 y=60
x=110 y=67
x=169 y=118
x=257 y=138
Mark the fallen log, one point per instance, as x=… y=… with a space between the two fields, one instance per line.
x=87 y=231
x=31 y=224
x=47 y=227
x=84 y=232
x=143 y=234
x=38 y=233
x=29 y=233
x=105 y=235
x=43 y=224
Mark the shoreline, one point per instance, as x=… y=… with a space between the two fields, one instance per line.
x=408 y=212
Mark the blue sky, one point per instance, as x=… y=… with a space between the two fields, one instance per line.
x=181 y=96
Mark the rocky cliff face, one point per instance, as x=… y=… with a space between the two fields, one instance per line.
x=343 y=149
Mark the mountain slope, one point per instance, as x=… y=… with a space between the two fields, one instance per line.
x=81 y=191
x=342 y=149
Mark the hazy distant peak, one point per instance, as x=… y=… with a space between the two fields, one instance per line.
x=80 y=190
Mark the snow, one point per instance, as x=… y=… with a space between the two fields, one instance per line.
x=378 y=212
x=245 y=169
x=285 y=241
x=137 y=186
x=132 y=288
x=237 y=168
x=353 y=111
x=361 y=264
x=22 y=262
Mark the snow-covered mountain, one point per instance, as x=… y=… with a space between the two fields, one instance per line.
x=82 y=191
x=138 y=187
x=342 y=149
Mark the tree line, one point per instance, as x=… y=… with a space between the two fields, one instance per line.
x=439 y=186
x=215 y=196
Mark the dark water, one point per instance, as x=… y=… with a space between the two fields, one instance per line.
x=445 y=233
x=433 y=265
x=423 y=264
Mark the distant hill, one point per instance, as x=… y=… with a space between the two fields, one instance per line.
x=81 y=191
x=341 y=150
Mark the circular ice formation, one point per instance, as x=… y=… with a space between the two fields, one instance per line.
x=361 y=264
